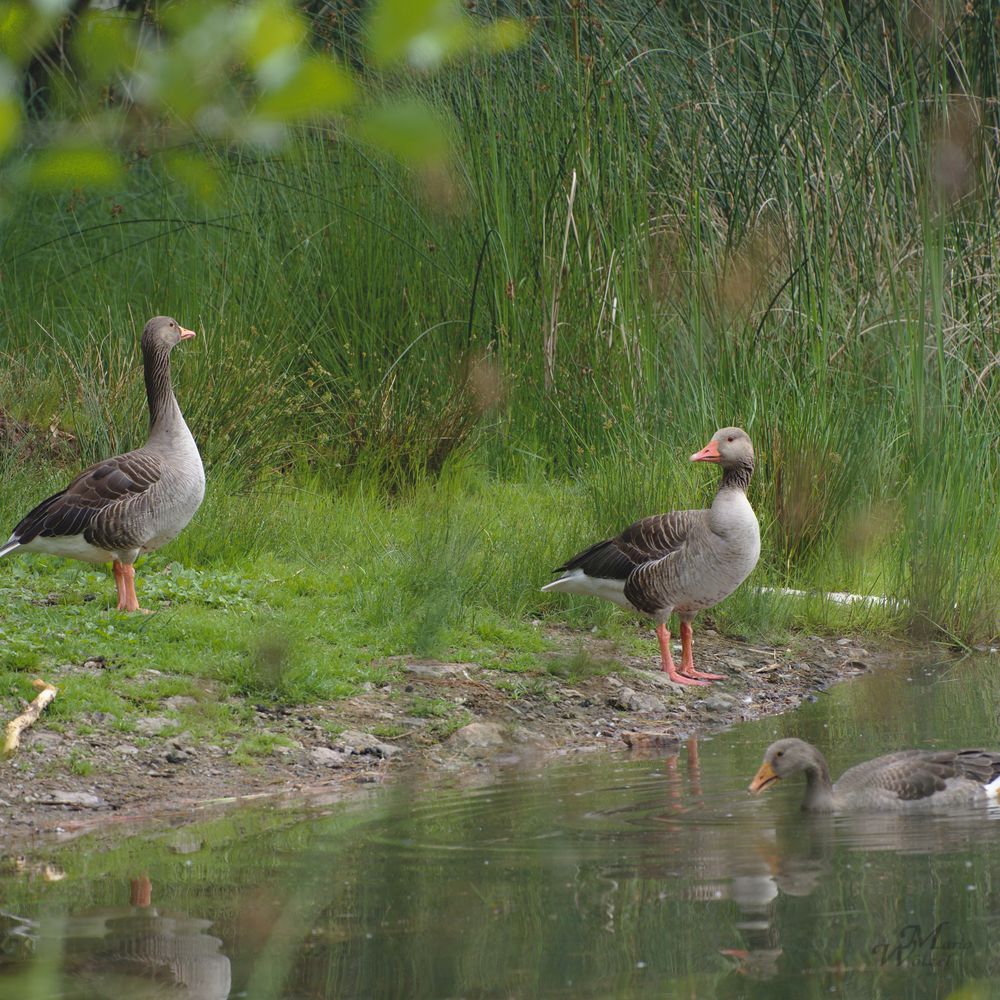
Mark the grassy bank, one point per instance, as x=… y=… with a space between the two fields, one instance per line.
x=418 y=392
x=323 y=592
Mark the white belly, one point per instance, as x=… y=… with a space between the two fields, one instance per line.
x=76 y=547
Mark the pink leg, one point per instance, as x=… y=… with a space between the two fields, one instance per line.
x=117 y=568
x=687 y=657
x=668 y=661
x=130 y=601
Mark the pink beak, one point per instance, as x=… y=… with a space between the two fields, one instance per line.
x=186 y=334
x=710 y=453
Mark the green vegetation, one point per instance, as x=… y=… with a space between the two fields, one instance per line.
x=417 y=391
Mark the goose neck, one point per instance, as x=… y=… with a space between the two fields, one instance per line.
x=736 y=477
x=819 y=788
x=164 y=413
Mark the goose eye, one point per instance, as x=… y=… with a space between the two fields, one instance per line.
x=780 y=753
x=730 y=440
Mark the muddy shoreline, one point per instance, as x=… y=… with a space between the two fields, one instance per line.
x=471 y=718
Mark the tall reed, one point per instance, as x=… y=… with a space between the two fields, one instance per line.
x=661 y=218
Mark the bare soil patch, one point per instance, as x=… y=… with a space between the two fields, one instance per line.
x=429 y=715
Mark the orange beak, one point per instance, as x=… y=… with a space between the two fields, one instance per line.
x=710 y=453
x=763 y=778
x=186 y=334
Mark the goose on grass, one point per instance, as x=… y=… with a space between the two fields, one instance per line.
x=132 y=503
x=684 y=561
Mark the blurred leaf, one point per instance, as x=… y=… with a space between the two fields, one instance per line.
x=424 y=32
x=10 y=121
x=318 y=86
x=104 y=43
x=66 y=167
x=52 y=8
x=195 y=174
x=184 y=16
x=410 y=130
x=503 y=35
x=20 y=30
x=273 y=28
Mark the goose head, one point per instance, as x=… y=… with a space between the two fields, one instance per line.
x=730 y=447
x=163 y=333
x=784 y=758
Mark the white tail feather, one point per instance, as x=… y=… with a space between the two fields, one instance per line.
x=577 y=582
x=8 y=546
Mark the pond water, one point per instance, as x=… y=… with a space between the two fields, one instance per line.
x=602 y=875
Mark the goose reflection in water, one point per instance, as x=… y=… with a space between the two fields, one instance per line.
x=137 y=951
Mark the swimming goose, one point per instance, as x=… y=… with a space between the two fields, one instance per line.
x=905 y=781
x=132 y=503
x=684 y=561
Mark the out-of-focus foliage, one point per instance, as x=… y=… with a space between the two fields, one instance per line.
x=82 y=86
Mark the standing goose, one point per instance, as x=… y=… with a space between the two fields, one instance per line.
x=683 y=561
x=905 y=781
x=132 y=503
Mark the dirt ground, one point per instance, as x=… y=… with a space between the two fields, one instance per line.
x=473 y=718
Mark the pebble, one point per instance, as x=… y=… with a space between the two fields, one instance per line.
x=153 y=725
x=178 y=701
x=436 y=670
x=628 y=700
x=351 y=741
x=78 y=800
x=719 y=702
x=327 y=757
x=478 y=738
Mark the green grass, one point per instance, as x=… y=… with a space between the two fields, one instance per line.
x=299 y=622
x=783 y=217
x=251 y=749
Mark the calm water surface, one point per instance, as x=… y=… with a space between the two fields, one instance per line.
x=607 y=875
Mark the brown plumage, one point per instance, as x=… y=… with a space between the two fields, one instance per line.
x=132 y=503
x=682 y=561
x=904 y=781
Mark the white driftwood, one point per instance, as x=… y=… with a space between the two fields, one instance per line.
x=12 y=734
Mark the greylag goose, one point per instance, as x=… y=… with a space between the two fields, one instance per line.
x=684 y=561
x=905 y=781
x=132 y=503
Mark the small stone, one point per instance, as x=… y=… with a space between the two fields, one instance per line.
x=720 y=702
x=636 y=701
x=153 y=725
x=175 y=757
x=478 y=738
x=44 y=739
x=326 y=757
x=354 y=742
x=178 y=701
x=78 y=800
x=437 y=670
x=126 y=750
